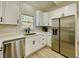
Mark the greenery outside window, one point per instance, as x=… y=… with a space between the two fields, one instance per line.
x=27 y=21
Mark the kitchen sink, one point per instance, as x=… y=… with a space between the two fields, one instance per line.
x=26 y=34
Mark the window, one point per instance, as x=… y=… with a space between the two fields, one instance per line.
x=26 y=21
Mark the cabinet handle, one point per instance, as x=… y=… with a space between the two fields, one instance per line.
x=17 y=21
x=48 y=23
x=34 y=42
x=1 y=19
x=1 y=48
x=42 y=43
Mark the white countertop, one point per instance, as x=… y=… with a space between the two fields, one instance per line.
x=16 y=36
x=13 y=37
x=10 y=37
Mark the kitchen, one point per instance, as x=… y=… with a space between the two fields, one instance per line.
x=30 y=28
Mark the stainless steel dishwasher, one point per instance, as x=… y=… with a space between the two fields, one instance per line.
x=14 y=48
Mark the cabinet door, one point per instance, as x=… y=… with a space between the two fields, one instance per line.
x=56 y=13
x=11 y=12
x=55 y=22
x=43 y=40
x=1 y=12
x=39 y=18
x=36 y=43
x=49 y=40
x=32 y=44
x=50 y=22
x=45 y=19
x=0 y=8
x=28 y=46
x=70 y=10
x=1 y=55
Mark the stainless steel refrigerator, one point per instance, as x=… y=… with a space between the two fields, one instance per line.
x=63 y=36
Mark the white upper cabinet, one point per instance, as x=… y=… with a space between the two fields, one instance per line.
x=11 y=12
x=70 y=9
x=45 y=19
x=39 y=18
x=0 y=8
x=55 y=22
x=55 y=13
x=42 y=19
x=1 y=12
x=49 y=37
x=64 y=11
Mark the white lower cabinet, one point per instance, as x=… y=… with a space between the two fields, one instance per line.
x=49 y=37
x=33 y=43
x=36 y=43
x=1 y=54
x=43 y=40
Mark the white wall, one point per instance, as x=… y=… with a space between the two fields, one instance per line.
x=29 y=10
x=8 y=29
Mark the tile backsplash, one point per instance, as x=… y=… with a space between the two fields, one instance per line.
x=11 y=29
x=8 y=29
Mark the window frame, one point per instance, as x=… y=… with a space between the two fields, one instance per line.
x=27 y=15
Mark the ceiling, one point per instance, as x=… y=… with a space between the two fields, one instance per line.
x=48 y=5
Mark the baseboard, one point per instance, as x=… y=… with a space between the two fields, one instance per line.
x=48 y=46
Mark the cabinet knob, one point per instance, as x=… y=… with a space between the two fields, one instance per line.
x=34 y=42
x=42 y=43
x=1 y=48
x=48 y=23
x=17 y=21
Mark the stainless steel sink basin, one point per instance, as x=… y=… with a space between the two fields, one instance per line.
x=26 y=34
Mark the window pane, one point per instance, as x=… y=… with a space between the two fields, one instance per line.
x=27 y=21
x=26 y=18
x=30 y=19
